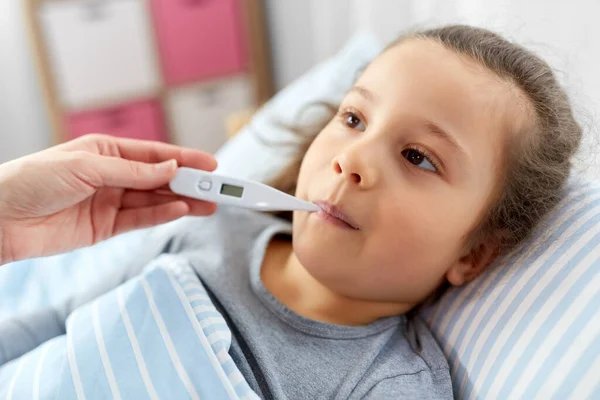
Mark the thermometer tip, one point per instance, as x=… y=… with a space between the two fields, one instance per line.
x=315 y=207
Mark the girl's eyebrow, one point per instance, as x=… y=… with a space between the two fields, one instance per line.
x=434 y=130
x=364 y=93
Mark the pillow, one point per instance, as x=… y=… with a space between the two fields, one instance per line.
x=530 y=326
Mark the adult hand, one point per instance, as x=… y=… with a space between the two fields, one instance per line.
x=88 y=190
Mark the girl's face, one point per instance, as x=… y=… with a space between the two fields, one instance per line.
x=411 y=163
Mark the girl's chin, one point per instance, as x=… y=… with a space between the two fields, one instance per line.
x=320 y=258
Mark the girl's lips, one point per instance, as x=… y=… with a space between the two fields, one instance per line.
x=334 y=214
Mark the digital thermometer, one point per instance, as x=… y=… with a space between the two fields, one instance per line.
x=221 y=189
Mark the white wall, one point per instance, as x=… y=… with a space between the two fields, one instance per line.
x=23 y=122
x=566 y=33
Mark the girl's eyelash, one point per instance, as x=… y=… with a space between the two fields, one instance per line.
x=344 y=112
x=427 y=156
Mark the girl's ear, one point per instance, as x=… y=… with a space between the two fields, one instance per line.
x=473 y=262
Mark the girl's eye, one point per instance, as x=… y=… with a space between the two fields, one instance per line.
x=353 y=121
x=419 y=159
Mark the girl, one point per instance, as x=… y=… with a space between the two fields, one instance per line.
x=448 y=150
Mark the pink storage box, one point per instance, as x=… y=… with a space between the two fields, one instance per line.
x=140 y=120
x=199 y=39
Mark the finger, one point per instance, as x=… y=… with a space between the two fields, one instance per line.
x=102 y=171
x=144 y=217
x=200 y=208
x=164 y=189
x=137 y=199
x=155 y=152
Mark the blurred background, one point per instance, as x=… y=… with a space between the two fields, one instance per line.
x=184 y=70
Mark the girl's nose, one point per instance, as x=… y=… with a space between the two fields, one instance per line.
x=353 y=167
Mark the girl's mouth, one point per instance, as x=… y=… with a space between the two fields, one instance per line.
x=335 y=215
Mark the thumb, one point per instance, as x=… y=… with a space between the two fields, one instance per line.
x=118 y=172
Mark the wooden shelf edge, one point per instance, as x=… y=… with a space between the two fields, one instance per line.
x=42 y=66
x=256 y=31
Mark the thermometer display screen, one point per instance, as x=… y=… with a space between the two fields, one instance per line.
x=231 y=190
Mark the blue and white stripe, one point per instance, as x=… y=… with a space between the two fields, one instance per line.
x=530 y=326
x=156 y=337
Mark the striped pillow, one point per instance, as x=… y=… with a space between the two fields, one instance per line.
x=530 y=327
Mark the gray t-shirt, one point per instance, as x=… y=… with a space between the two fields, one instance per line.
x=280 y=353
x=286 y=356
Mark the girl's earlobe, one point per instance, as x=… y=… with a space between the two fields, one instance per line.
x=475 y=261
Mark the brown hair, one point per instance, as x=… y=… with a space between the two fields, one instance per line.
x=538 y=162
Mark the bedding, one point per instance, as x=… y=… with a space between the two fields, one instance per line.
x=158 y=336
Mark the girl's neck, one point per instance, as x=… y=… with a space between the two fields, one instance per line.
x=284 y=276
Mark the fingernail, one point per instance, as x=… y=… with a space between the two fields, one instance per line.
x=167 y=165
